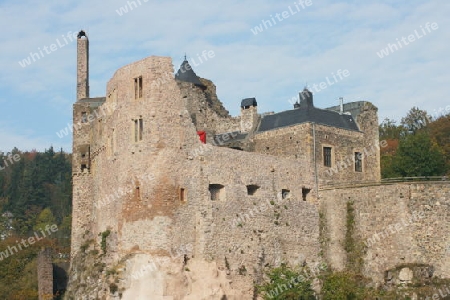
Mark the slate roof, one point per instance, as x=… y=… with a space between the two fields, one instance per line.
x=299 y=116
x=186 y=74
x=307 y=113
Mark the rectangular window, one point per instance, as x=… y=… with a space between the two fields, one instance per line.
x=141 y=128
x=358 y=162
x=327 y=156
x=138 y=129
x=216 y=191
x=182 y=195
x=305 y=193
x=84 y=117
x=252 y=189
x=138 y=87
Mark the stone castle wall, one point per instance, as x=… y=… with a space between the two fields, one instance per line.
x=297 y=142
x=395 y=224
x=290 y=142
x=344 y=144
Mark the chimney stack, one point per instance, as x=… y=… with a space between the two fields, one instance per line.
x=82 y=65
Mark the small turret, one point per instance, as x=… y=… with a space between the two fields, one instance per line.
x=186 y=74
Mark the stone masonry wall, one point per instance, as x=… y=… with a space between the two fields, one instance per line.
x=155 y=196
x=294 y=142
x=297 y=142
x=82 y=68
x=82 y=178
x=396 y=224
x=344 y=144
x=249 y=119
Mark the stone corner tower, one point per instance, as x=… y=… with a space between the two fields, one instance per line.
x=82 y=65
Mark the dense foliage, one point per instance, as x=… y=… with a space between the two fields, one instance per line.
x=35 y=193
x=418 y=146
x=284 y=283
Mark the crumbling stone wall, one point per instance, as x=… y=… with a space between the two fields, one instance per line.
x=206 y=110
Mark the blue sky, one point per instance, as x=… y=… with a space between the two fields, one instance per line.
x=273 y=65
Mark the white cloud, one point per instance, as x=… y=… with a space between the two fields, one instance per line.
x=273 y=65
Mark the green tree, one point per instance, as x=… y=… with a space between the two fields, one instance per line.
x=287 y=284
x=418 y=156
x=415 y=120
x=389 y=130
x=45 y=218
x=386 y=164
x=440 y=134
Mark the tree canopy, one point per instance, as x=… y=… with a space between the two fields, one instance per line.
x=419 y=146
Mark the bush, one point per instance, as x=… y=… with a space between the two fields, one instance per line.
x=351 y=286
x=341 y=286
x=287 y=284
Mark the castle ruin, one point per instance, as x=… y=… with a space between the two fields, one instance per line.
x=184 y=201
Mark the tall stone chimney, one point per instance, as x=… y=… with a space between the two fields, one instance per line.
x=249 y=114
x=82 y=65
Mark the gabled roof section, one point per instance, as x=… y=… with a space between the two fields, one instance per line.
x=186 y=74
